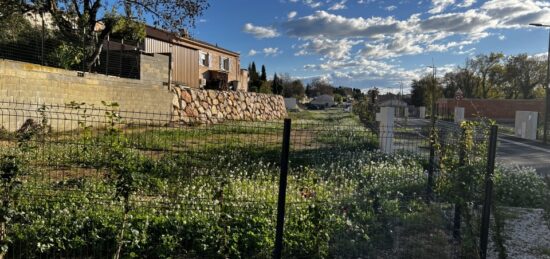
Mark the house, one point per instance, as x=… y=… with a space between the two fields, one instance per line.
x=322 y=101
x=197 y=64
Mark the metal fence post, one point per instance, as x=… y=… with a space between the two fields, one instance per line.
x=431 y=167
x=107 y=56
x=485 y=217
x=42 y=38
x=281 y=203
x=458 y=207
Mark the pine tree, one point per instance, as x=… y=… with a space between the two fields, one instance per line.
x=263 y=76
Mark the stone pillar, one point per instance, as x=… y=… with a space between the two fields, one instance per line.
x=422 y=112
x=386 y=119
x=459 y=114
x=526 y=124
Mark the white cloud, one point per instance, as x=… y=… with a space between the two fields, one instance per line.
x=515 y=13
x=339 y=6
x=312 y=3
x=439 y=6
x=292 y=15
x=260 y=32
x=330 y=25
x=271 y=52
x=467 y=3
x=252 y=52
x=332 y=49
x=390 y=8
x=362 y=49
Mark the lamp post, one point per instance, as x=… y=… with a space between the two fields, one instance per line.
x=546 y=111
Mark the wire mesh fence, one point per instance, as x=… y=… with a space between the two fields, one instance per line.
x=117 y=57
x=94 y=182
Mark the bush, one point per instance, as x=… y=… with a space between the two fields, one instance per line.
x=520 y=187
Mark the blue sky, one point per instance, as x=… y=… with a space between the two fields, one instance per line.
x=371 y=43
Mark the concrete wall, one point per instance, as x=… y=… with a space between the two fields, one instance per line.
x=498 y=109
x=155 y=69
x=29 y=83
x=209 y=106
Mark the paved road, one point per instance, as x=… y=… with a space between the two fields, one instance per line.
x=512 y=150
x=516 y=151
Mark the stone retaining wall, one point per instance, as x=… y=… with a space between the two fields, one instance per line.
x=209 y=106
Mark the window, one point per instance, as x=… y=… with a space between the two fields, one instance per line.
x=204 y=59
x=225 y=64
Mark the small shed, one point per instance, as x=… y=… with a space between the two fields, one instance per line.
x=291 y=104
x=322 y=101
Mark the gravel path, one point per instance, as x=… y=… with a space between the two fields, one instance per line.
x=526 y=233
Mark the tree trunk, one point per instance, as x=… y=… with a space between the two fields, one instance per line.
x=121 y=235
x=2 y=237
x=94 y=57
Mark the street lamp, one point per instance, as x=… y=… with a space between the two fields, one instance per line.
x=545 y=134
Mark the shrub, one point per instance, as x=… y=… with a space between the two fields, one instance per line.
x=520 y=187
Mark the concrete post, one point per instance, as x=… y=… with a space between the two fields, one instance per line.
x=386 y=119
x=422 y=112
x=459 y=114
x=526 y=124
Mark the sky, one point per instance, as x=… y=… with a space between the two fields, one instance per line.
x=371 y=43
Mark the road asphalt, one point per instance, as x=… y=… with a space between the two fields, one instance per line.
x=511 y=150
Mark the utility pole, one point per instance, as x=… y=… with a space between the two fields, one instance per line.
x=547 y=110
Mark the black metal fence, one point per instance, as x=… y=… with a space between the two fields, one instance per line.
x=117 y=57
x=103 y=182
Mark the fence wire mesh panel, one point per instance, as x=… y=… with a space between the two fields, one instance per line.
x=97 y=182
x=82 y=181
x=117 y=57
x=347 y=199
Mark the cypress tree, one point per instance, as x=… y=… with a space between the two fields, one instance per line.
x=254 y=83
x=277 y=86
x=263 y=76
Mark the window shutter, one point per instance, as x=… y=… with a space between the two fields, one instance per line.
x=200 y=58
x=221 y=63
x=209 y=60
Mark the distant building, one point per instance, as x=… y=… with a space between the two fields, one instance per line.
x=322 y=101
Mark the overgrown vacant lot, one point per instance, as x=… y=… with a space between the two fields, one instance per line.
x=211 y=191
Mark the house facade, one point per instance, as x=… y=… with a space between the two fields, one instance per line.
x=197 y=64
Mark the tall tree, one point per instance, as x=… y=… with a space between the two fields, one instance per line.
x=309 y=91
x=320 y=87
x=254 y=83
x=263 y=76
x=277 y=85
x=482 y=66
x=373 y=95
x=89 y=22
x=463 y=79
x=292 y=88
x=525 y=74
